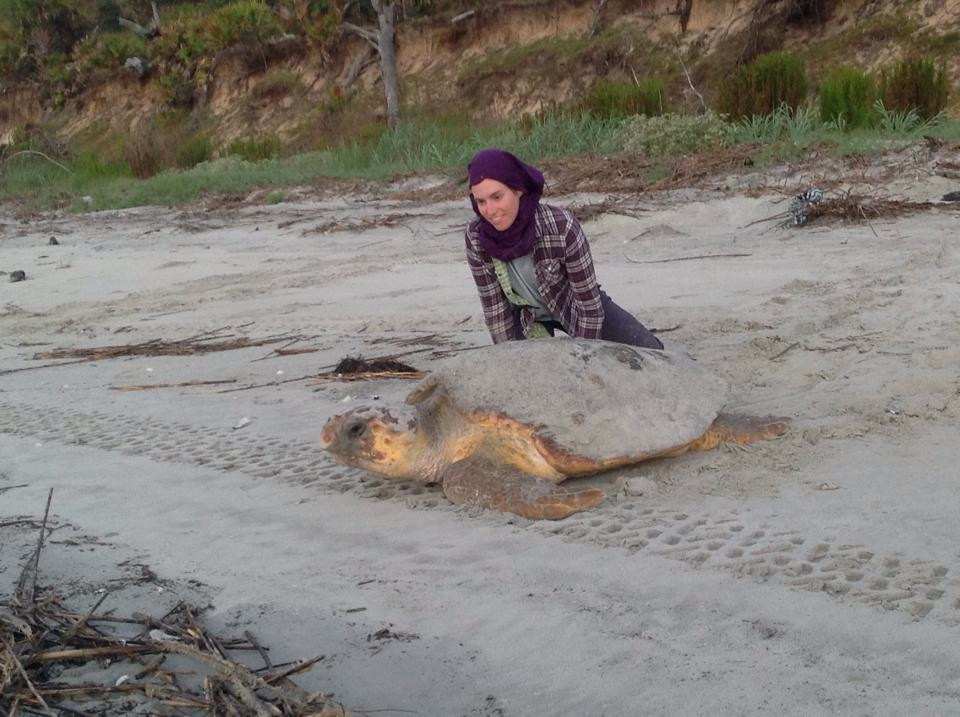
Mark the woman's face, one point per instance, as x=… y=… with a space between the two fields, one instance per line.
x=497 y=202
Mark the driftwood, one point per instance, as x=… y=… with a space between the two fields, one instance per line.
x=183 y=384
x=207 y=342
x=684 y=258
x=37 y=630
x=852 y=208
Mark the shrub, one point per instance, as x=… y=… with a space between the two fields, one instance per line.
x=107 y=51
x=622 y=99
x=277 y=83
x=671 y=134
x=162 y=142
x=798 y=126
x=37 y=35
x=253 y=149
x=772 y=80
x=185 y=51
x=915 y=84
x=194 y=150
x=242 y=23
x=144 y=154
x=847 y=97
x=904 y=122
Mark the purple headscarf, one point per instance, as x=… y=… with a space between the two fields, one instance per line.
x=517 y=239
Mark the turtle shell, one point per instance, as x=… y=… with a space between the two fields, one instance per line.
x=596 y=399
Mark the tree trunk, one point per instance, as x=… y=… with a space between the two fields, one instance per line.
x=386 y=37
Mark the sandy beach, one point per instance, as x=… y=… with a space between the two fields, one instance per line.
x=818 y=573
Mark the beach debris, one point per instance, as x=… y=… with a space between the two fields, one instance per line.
x=847 y=206
x=357 y=368
x=801 y=205
x=856 y=208
x=41 y=636
x=241 y=423
x=210 y=341
x=364 y=223
x=182 y=384
x=827 y=485
x=18 y=275
x=53 y=242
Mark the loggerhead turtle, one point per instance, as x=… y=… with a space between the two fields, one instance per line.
x=501 y=426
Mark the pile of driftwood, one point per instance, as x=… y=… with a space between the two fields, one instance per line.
x=853 y=208
x=169 y=665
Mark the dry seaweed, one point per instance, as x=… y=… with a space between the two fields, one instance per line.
x=357 y=368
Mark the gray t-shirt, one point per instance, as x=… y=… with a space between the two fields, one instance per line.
x=523 y=280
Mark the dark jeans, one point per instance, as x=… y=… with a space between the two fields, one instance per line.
x=618 y=325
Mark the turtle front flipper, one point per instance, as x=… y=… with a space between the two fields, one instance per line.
x=482 y=483
x=741 y=429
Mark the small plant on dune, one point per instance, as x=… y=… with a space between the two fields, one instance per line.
x=196 y=149
x=254 y=149
x=278 y=82
x=771 y=80
x=798 y=126
x=904 y=122
x=847 y=97
x=163 y=142
x=622 y=99
x=676 y=134
x=107 y=51
x=915 y=84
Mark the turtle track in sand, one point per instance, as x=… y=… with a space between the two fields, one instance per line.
x=725 y=542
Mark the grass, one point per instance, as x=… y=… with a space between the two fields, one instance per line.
x=443 y=146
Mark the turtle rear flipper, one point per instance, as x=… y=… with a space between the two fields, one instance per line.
x=741 y=429
x=478 y=482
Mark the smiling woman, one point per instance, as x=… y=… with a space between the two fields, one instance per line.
x=532 y=263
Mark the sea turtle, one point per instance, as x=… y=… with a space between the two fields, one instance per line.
x=499 y=427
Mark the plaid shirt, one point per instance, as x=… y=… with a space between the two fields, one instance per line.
x=565 y=278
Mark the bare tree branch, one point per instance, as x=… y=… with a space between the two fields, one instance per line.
x=151 y=30
x=462 y=16
x=703 y=105
x=368 y=35
x=595 y=23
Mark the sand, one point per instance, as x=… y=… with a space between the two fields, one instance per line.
x=815 y=574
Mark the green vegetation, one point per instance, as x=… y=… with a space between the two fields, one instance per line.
x=761 y=87
x=847 y=97
x=915 y=84
x=107 y=51
x=173 y=157
x=254 y=149
x=85 y=182
x=676 y=134
x=622 y=99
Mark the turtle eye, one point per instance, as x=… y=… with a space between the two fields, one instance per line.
x=356 y=429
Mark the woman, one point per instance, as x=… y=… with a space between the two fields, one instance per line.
x=532 y=263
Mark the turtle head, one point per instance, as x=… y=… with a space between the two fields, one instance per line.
x=374 y=439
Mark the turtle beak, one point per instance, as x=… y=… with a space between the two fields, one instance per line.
x=328 y=433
